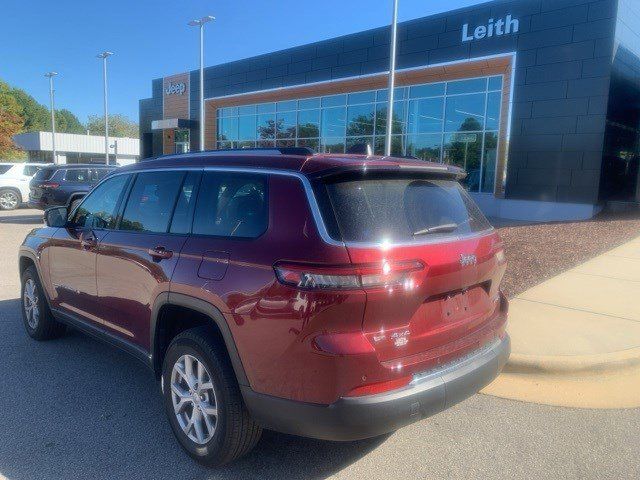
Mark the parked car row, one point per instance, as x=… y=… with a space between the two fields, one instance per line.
x=44 y=185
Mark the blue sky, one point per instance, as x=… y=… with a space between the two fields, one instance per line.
x=150 y=39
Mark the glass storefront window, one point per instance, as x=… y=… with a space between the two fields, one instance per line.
x=465 y=113
x=493 y=110
x=333 y=121
x=266 y=126
x=425 y=147
x=398 y=118
x=247 y=127
x=429 y=90
x=467 y=86
x=489 y=163
x=333 y=145
x=495 y=83
x=360 y=120
x=425 y=115
x=464 y=150
x=309 y=123
x=286 y=125
x=455 y=122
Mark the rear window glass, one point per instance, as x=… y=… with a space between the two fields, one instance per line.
x=398 y=210
x=30 y=170
x=5 y=168
x=44 y=174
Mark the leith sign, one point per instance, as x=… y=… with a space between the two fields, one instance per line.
x=493 y=28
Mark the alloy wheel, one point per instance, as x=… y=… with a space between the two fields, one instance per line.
x=30 y=302
x=194 y=399
x=8 y=200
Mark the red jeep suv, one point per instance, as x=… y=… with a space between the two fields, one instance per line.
x=332 y=296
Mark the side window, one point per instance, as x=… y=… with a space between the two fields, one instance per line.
x=77 y=175
x=98 y=209
x=231 y=205
x=185 y=205
x=102 y=172
x=151 y=202
x=30 y=170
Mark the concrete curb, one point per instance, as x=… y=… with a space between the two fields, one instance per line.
x=567 y=364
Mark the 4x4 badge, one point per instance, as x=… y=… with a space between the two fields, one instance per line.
x=466 y=260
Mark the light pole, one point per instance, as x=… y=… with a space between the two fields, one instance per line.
x=104 y=56
x=392 y=77
x=50 y=75
x=200 y=23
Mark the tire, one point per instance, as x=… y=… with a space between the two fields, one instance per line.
x=36 y=315
x=234 y=432
x=9 y=199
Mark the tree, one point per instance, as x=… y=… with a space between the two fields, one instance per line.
x=11 y=122
x=119 y=126
x=37 y=117
x=67 y=122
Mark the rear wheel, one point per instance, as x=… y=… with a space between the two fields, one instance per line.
x=203 y=401
x=37 y=318
x=9 y=199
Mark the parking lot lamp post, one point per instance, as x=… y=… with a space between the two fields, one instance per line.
x=392 y=77
x=104 y=56
x=50 y=75
x=200 y=23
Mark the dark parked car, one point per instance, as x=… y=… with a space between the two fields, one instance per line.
x=57 y=185
x=332 y=296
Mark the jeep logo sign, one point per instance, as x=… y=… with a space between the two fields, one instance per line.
x=496 y=28
x=175 y=89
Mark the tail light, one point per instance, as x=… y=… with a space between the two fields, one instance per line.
x=384 y=274
x=49 y=185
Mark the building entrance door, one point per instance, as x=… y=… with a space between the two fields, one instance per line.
x=182 y=140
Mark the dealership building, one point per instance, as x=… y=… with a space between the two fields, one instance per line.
x=539 y=100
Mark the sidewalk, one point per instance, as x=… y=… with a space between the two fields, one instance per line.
x=576 y=337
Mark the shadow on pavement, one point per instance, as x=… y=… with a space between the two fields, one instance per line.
x=75 y=408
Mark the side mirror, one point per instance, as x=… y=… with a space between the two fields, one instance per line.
x=56 y=216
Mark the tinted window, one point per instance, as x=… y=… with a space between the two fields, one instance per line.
x=77 y=175
x=399 y=209
x=231 y=205
x=5 y=168
x=185 y=205
x=30 y=170
x=151 y=202
x=44 y=174
x=98 y=210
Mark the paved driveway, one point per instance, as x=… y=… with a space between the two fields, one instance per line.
x=74 y=408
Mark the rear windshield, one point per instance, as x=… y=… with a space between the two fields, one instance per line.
x=5 y=168
x=44 y=174
x=398 y=209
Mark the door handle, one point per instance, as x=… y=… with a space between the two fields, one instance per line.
x=160 y=253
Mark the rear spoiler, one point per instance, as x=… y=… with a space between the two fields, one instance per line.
x=434 y=170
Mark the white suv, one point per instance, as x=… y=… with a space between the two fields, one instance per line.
x=14 y=183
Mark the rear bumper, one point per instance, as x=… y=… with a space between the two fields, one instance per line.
x=363 y=417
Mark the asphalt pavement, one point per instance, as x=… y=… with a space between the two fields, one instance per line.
x=75 y=408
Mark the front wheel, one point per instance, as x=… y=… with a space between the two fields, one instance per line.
x=9 y=199
x=203 y=401
x=36 y=315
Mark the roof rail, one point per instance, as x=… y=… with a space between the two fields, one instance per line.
x=302 y=151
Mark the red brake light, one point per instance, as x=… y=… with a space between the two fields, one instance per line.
x=314 y=277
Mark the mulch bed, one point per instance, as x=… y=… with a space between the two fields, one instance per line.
x=537 y=252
